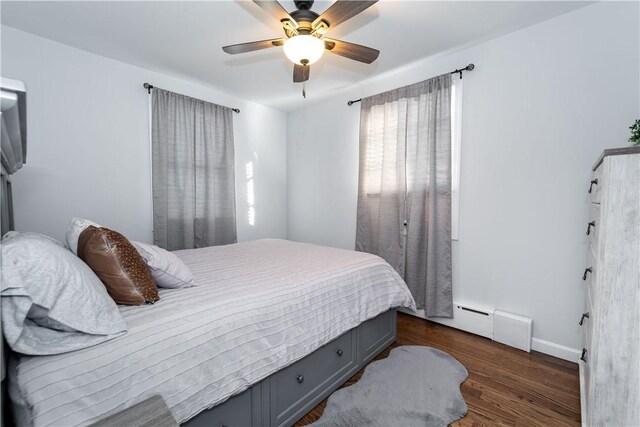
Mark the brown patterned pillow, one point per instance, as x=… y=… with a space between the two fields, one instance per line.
x=119 y=265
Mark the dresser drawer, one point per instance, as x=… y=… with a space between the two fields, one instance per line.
x=585 y=377
x=591 y=272
x=321 y=370
x=594 y=217
x=593 y=228
x=587 y=322
x=596 y=185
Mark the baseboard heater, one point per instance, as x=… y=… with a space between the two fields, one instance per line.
x=474 y=319
x=512 y=329
x=507 y=328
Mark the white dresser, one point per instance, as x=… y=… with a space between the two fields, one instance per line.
x=610 y=362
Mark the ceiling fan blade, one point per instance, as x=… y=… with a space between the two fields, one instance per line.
x=301 y=73
x=251 y=46
x=342 y=10
x=351 y=50
x=275 y=9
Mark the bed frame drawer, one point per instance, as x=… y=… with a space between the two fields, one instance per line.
x=282 y=398
x=322 y=370
x=241 y=410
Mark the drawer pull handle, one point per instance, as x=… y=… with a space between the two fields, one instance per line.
x=583 y=356
x=300 y=379
x=591 y=224
x=584 y=316
x=339 y=352
x=593 y=182
x=586 y=271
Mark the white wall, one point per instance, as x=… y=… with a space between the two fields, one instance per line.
x=88 y=142
x=540 y=106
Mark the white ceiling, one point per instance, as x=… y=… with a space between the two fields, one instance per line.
x=184 y=39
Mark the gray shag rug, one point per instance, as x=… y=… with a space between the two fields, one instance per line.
x=414 y=386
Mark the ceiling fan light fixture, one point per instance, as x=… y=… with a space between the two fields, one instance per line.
x=304 y=49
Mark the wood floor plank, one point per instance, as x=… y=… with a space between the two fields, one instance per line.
x=506 y=386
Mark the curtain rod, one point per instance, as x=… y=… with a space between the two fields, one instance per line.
x=458 y=71
x=148 y=87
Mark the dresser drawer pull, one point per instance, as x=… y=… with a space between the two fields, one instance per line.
x=591 y=224
x=584 y=316
x=583 y=356
x=586 y=271
x=339 y=352
x=593 y=182
x=300 y=379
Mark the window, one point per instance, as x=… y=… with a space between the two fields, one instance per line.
x=456 y=145
x=193 y=184
x=381 y=115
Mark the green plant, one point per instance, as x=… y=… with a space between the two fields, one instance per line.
x=635 y=134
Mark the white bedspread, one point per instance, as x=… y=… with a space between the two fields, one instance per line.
x=259 y=307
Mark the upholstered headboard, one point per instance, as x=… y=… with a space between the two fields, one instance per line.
x=13 y=144
x=13 y=154
x=6 y=224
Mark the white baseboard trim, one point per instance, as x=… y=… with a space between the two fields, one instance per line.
x=546 y=347
x=556 y=350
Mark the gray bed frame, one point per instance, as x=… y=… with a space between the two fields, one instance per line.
x=289 y=394
x=282 y=398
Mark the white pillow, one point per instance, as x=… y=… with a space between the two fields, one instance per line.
x=77 y=226
x=51 y=301
x=37 y=236
x=166 y=268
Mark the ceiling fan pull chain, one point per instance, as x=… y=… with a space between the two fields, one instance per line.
x=304 y=92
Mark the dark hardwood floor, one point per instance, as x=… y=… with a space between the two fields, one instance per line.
x=506 y=386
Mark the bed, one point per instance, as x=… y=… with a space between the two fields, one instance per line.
x=272 y=328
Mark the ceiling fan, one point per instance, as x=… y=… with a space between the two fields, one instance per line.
x=305 y=32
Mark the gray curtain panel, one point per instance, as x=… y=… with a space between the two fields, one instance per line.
x=13 y=136
x=6 y=204
x=193 y=172
x=404 y=190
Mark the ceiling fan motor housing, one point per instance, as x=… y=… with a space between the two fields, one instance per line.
x=304 y=18
x=303 y=4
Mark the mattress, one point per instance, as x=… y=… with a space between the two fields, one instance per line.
x=258 y=307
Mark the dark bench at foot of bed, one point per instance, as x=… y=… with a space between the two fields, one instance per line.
x=286 y=396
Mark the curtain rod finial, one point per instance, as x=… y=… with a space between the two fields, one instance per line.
x=470 y=67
